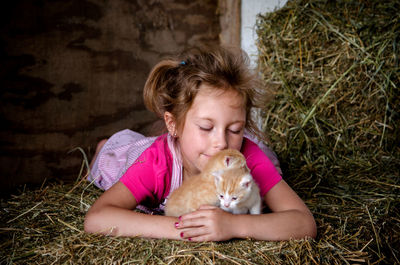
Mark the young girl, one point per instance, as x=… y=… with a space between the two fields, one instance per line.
x=205 y=98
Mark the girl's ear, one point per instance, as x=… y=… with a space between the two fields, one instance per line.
x=169 y=120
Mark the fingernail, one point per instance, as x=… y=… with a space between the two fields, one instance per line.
x=182 y=234
x=180 y=218
x=190 y=239
x=176 y=224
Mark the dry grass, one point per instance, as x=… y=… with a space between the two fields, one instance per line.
x=335 y=119
x=334 y=125
x=45 y=226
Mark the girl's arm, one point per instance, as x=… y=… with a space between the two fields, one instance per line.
x=290 y=219
x=112 y=214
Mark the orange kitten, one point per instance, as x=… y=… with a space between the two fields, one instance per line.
x=225 y=173
x=237 y=191
x=228 y=158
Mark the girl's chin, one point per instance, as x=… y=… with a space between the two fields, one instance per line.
x=203 y=161
x=205 y=158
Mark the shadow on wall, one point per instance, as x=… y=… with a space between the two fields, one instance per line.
x=72 y=73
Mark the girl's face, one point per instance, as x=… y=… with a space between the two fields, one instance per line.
x=215 y=121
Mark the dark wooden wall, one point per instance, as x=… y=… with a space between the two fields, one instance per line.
x=72 y=73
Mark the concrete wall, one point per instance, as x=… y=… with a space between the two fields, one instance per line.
x=249 y=11
x=72 y=72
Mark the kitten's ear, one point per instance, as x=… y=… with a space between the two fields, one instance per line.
x=227 y=161
x=233 y=161
x=217 y=175
x=246 y=181
x=230 y=161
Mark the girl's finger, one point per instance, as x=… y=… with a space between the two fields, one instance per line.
x=195 y=233
x=203 y=211
x=191 y=222
x=192 y=215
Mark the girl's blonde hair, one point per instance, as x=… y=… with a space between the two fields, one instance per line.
x=173 y=84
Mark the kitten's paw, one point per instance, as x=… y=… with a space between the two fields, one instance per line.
x=255 y=210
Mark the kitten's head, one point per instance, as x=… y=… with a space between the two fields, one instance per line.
x=226 y=159
x=233 y=186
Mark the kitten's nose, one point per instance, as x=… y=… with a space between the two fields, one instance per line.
x=226 y=204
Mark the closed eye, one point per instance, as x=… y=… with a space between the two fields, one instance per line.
x=205 y=128
x=235 y=131
x=234 y=198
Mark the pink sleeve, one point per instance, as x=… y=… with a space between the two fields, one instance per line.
x=261 y=167
x=149 y=177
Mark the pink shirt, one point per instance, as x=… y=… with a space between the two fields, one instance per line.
x=149 y=178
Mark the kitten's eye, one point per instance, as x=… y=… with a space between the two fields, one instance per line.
x=221 y=196
x=234 y=198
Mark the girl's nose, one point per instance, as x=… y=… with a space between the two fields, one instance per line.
x=221 y=142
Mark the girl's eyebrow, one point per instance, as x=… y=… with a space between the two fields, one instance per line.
x=211 y=120
x=203 y=119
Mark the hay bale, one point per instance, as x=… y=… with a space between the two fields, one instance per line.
x=45 y=226
x=334 y=124
x=335 y=119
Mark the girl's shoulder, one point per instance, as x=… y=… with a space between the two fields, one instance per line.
x=149 y=176
x=253 y=148
x=250 y=148
x=158 y=154
x=263 y=164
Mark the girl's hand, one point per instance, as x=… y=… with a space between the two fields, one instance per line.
x=209 y=223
